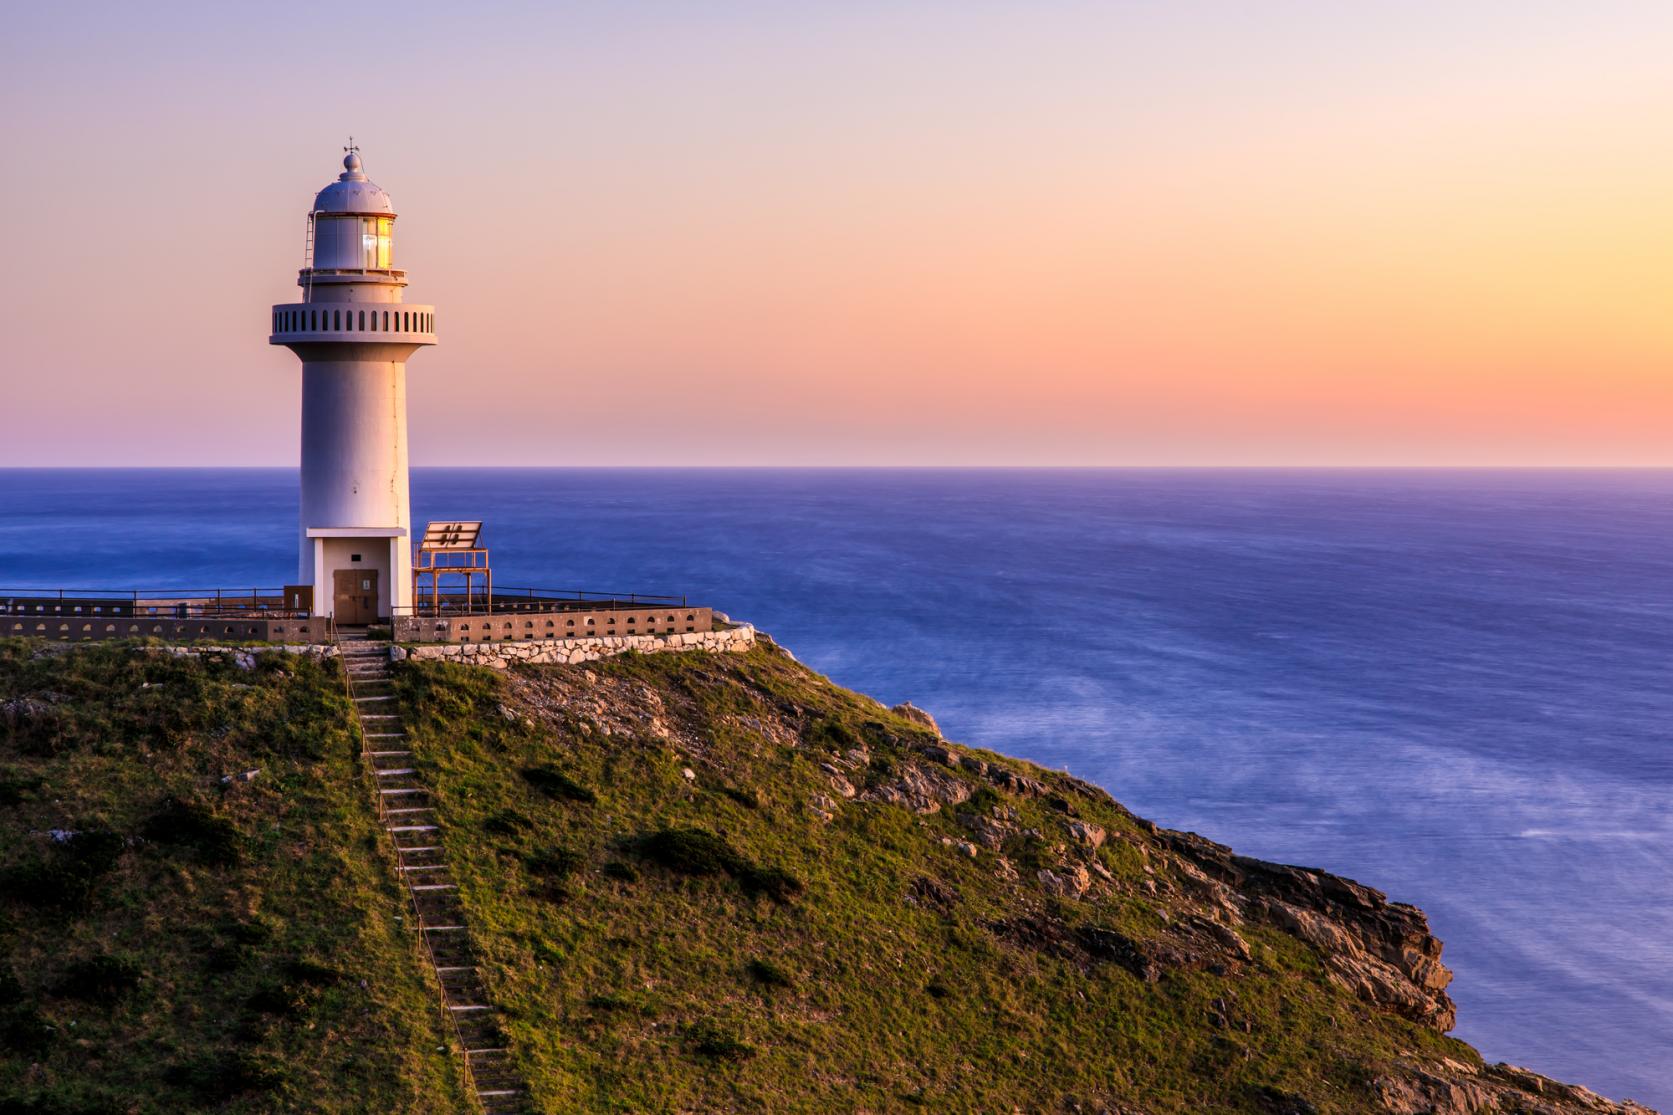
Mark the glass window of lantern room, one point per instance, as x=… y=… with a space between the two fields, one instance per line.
x=375 y=242
x=386 y=243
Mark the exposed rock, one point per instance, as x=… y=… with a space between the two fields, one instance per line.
x=18 y=711
x=1015 y=783
x=1449 y=1087
x=1087 y=833
x=1200 y=905
x=920 y=789
x=991 y=830
x=931 y=892
x=1381 y=950
x=823 y=808
x=839 y=781
x=909 y=711
x=1066 y=882
x=946 y=756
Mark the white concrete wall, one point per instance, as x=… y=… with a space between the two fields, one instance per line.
x=354 y=461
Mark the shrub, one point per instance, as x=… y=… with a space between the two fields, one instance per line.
x=554 y=783
x=64 y=877
x=832 y=734
x=749 y=799
x=11 y=991
x=214 y=1078
x=696 y=851
x=507 y=822
x=23 y=1029
x=195 y=828
x=710 y=1040
x=691 y=852
x=99 y=977
x=558 y=863
x=552 y=868
x=310 y=974
x=774 y=882
x=768 y=973
x=621 y=871
x=274 y=999
x=14 y=789
x=91 y=852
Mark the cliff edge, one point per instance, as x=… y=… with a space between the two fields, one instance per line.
x=696 y=882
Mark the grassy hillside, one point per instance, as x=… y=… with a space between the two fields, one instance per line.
x=699 y=883
x=197 y=943
x=720 y=883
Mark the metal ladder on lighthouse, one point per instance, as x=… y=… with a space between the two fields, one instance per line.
x=308 y=258
x=407 y=815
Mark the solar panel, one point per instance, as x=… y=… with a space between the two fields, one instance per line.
x=451 y=536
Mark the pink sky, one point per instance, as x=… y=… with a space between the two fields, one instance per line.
x=1181 y=233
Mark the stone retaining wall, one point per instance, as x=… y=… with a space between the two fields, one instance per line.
x=245 y=657
x=498 y=656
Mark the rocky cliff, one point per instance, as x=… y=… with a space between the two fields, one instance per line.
x=696 y=882
x=954 y=929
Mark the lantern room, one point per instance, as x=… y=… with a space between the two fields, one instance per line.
x=353 y=226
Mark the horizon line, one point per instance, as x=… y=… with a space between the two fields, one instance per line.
x=993 y=467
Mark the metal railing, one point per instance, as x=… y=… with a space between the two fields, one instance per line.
x=173 y=603
x=451 y=602
x=269 y=603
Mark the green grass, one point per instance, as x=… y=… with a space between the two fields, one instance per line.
x=665 y=941
x=676 y=909
x=199 y=944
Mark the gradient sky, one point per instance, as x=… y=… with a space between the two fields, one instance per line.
x=858 y=233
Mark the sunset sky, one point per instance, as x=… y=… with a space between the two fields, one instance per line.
x=860 y=233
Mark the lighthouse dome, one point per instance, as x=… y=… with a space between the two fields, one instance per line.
x=353 y=192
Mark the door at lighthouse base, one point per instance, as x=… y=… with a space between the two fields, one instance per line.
x=354 y=596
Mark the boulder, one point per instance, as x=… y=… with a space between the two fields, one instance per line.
x=909 y=711
x=1071 y=881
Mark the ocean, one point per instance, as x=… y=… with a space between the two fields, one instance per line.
x=1451 y=685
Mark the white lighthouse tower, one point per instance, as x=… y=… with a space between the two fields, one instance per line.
x=354 y=335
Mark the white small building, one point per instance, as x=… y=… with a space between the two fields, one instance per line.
x=354 y=334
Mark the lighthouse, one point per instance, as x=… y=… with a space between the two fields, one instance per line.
x=353 y=334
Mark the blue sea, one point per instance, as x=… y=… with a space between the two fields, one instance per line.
x=1452 y=685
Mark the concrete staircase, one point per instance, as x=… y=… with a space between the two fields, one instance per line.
x=407 y=814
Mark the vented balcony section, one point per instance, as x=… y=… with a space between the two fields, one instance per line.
x=393 y=322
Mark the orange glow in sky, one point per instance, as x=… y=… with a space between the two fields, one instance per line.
x=1183 y=233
